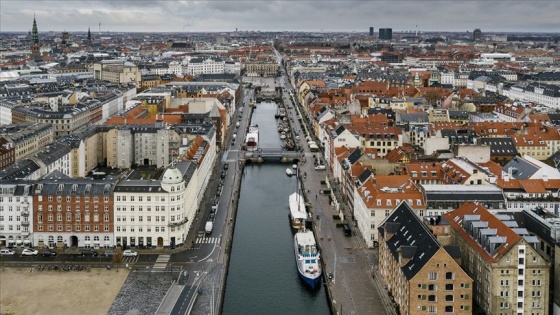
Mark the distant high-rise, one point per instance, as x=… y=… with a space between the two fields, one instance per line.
x=371 y=31
x=477 y=34
x=35 y=51
x=64 y=42
x=386 y=33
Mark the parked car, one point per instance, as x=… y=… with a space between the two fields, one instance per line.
x=89 y=252
x=226 y=166
x=320 y=167
x=6 y=251
x=223 y=174
x=48 y=253
x=130 y=253
x=29 y=252
x=109 y=253
x=347 y=230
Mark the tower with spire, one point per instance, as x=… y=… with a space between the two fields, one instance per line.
x=35 y=52
x=89 y=35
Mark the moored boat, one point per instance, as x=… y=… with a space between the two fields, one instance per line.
x=252 y=138
x=289 y=172
x=308 y=260
x=298 y=215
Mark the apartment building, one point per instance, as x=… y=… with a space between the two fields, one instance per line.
x=510 y=276
x=205 y=65
x=73 y=212
x=156 y=212
x=16 y=203
x=26 y=138
x=423 y=276
x=382 y=139
x=376 y=198
x=117 y=71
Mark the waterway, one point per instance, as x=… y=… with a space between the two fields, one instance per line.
x=262 y=276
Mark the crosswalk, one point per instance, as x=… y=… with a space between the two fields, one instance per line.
x=130 y=259
x=208 y=240
x=161 y=262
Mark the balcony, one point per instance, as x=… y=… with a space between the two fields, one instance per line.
x=25 y=223
x=25 y=213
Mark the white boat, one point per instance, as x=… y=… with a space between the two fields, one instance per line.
x=252 y=138
x=283 y=135
x=289 y=172
x=308 y=258
x=298 y=215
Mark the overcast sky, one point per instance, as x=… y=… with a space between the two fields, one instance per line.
x=293 y=15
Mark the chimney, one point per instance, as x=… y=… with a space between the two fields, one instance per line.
x=545 y=178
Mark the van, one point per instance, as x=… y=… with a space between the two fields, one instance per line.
x=208 y=227
x=347 y=230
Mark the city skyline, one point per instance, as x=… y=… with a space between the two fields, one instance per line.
x=286 y=15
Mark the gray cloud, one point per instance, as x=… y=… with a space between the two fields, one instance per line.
x=310 y=15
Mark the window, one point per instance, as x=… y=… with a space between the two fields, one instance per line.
x=449 y=287
x=449 y=276
x=449 y=308
x=432 y=287
x=432 y=309
x=449 y=298
x=432 y=298
x=432 y=276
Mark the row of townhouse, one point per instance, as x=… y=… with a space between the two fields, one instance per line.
x=434 y=188
x=128 y=210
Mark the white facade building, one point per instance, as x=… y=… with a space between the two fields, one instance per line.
x=16 y=202
x=209 y=65
x=156 y=213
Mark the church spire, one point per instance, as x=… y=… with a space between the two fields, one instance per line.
x=89 y=35
x=34 y=32
x=35 y=48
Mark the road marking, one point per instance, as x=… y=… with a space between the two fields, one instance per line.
x=207 y=240
x=161 y=262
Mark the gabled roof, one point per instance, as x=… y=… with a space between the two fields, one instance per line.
x=483 y=231
x=409 y=236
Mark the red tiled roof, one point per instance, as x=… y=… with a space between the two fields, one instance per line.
x=455 y=219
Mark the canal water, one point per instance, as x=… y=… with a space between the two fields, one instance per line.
x=262 y=276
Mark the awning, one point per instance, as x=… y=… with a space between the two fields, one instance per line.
x=26 y=241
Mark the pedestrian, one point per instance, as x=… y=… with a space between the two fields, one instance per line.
x=315 y=196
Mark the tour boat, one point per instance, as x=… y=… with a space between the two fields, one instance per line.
x=252 y=138
x=308 y=259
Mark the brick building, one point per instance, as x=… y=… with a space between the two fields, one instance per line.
x=423 y=276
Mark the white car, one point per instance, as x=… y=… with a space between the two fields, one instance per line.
x=6 y=251
x=320 y=167
x=30 y=252
x=130 y=253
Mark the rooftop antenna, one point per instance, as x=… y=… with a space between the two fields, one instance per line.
x=99 y=29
